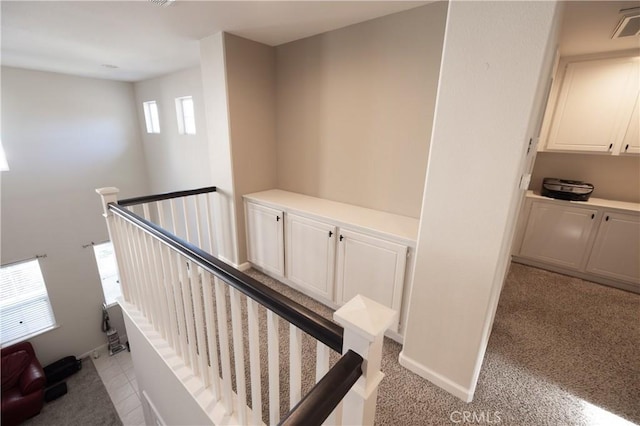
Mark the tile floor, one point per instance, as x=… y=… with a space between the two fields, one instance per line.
x=119 y=378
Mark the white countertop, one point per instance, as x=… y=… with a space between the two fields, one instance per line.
x=400 y=227
x=593 y=202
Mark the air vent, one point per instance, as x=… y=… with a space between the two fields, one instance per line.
x=628 y=26
x=163 y=3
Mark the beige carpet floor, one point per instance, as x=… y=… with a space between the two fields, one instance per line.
x=563 y=351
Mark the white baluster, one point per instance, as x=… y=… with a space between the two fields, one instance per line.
x=154 y=281
x=196 y=287
x=238 y=353
x=185 y=212
x=159 y=277
x=364 y=322
x=225 y=357
x=174 y=219
x=179 y=276
x=209 y=223
x=295 y=365
x=207 y=291
x=187 y=299
x=273 y=348
x=198 y=227
x=165 y=262
x=254 y=361
x=122 y=259
x=146 y=278
x=127 y=230
x=140 y=268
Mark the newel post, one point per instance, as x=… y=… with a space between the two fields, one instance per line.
x=110 y=195
x=364 y=322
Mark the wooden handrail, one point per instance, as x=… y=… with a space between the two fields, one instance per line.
x=325 y=396
x=165 y=196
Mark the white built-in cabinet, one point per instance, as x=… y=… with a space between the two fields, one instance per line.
x=265 y=237
x=370 y=266
x=311 y=254
x=631 y=142
x=598 y=240
x=558 y=234
x=595 y=108
x=616 y=252
x=332 y=251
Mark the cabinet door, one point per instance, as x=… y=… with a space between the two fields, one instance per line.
x=311 y=253
x=265 y=238
x=370 y=266
x=631 y=141
x=558 y=233
x=616 y=251
x=594 y=105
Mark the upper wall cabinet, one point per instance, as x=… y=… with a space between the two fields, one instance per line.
x=594 y=109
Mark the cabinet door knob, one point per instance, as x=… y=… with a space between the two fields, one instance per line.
x=341 y=237
x=330 y=234
x=593 y=215
x=610 y=146
x=277 y=218
x=626 y=148
x=606 y=219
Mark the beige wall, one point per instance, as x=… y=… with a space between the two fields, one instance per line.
x=614 y=178
x=251 y=72
x=355 y=108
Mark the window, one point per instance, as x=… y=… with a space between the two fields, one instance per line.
x=4 y=166
x=186 y=116
x=151 y=117
x=108 y=269
x=25 y=309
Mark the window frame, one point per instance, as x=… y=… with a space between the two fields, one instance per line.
x=184 y=128
x=151 y=117
x=21 y=301
x=106 y=275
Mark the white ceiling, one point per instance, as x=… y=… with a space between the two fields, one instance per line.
x=587 y=27
x=145 y=40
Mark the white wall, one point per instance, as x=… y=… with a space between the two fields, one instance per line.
x=214 y=89
x=355 y=109
x=65 y=136
x=175 y=162
x=495 y=68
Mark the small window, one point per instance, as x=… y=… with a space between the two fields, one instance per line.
x=25 y=309
x=4 y=166
x=186 y=115
x=151 y=116
x=108 y=269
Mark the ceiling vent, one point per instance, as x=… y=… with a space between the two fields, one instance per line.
x=163 y=3
x=629 y=25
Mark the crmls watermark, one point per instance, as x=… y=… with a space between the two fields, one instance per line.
x=476 y=417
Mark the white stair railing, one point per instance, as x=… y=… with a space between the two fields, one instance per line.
x=204 y=309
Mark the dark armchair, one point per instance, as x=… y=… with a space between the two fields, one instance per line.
x=23 y=382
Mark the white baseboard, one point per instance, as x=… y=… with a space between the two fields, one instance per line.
x=442 y=382
x=123 y=340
